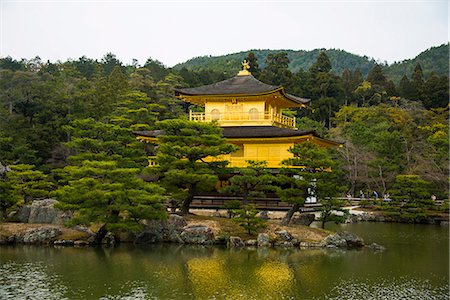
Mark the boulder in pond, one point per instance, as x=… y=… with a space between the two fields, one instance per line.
x=342 y=239
x=165 y=230
x=263 y=240
x=235 y=242
x=145 y=237
x=351 y=239
x=333 y=241
x=197 y=234
x=39 y=235
x=376 y=247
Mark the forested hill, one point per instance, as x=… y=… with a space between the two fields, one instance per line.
x=434 y=59
x=231 y=63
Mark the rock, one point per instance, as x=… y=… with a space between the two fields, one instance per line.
x=351 y=239
x=167 y=230
x=352 y=219
x=23 y=214
x=4 y=239
x=444 y=223
x=197 y=234
x=109 y=239
x=283 y=235
x=264 y=215
x=332 y=241
x=43 y=211
x=176 y=221
x=303 y=219
x=39 y=235
x=284 y=244
x=309 y=244
x=263 y=240
x=83 y=228
x=81 y=243
x=251 y=243
x=145 y=238
x=235 y=242
x=63 y=243
x=376 y=247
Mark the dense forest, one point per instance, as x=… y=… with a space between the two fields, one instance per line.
x=432 y=60
x=64 y=126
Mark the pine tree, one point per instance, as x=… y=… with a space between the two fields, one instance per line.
x=309 y=162
x=322 y=64
x=405 y=88
x=253 y=62
x=277 y=70
x=188 y=158
x=250 y=182
x=417 y=83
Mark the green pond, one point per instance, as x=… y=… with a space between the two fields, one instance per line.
x=415 y=265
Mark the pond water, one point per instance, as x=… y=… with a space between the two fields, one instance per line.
x=415 y=265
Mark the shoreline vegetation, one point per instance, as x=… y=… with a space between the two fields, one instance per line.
x=204 y=227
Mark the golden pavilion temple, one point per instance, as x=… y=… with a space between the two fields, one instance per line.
x=250 y=113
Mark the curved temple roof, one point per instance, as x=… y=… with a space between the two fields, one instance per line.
x=238 y=85
x=255 y=132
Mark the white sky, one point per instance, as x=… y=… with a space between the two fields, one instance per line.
x=175 y=31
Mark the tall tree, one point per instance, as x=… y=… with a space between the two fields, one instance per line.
x=417 y=83
x=253 y=63
x=277 y=70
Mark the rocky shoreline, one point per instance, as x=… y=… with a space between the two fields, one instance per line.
x=42 y=223
x=386 y=218
x=178 y=230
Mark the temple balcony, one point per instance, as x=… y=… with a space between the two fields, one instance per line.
x=244 y=119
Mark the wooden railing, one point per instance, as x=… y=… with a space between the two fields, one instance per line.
x=277 y=119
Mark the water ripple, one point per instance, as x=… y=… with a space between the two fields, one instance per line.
x=29 y=281
x=403 y=288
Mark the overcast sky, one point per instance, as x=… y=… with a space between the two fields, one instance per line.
x=175 y=31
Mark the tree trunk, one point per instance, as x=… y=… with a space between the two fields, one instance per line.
x=187 y=202
x=287 y=218
x=100 y=234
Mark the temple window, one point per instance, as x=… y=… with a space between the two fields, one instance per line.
x=215 y=114
x=253 y=114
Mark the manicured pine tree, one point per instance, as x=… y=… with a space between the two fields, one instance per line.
x=189 y=158
x=308 y=163
x=250 y=182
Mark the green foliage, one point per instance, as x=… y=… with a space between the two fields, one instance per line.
x=310 y=161
x=30 y=184
x=432 y=60
x=103 y=192
x=189 y=158
x=231 y=207
x=247 y=218
x=299 y=60
x=250 y=182
x=8 y=194
x=328 y=188
x=411 y=189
